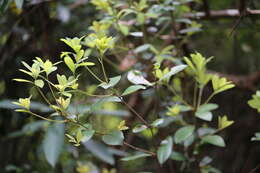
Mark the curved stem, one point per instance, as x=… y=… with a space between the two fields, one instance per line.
x=47 y=119
x=209 y=98
x=103 y=68
x=139 y=149
x=200 y=96
x=93 y=74
x=132 y=110
x=43 y=96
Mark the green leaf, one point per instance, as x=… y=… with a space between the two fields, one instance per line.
x=140 y=18
x=214 y=140
x=183 y=133
x=39 y=83
x=203 y=112
x=112 y=82
x=177 y=156
x=79 y=136
x=69 y=62
x=137 y=34
x=157 y=122
x=136 y=156
x=132 y=89
x=207 y=107
x=256 y=137
x=53 y=143
x=100 y=151
x=113 y=138
x=139 y=128
x=136 y=78
x=19 y=3
x=124 y=29
x=142 y=48
x=87 y=135
x=4 y=5
x=207 y=116
x=165 y=150
x=173 y=71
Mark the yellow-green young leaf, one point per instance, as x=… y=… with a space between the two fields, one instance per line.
x=64 y=54
x=22 y=80
x=26 y=72
x=122 y=126
x=198 y=60
x=189 y=63
x=48 y=67
x=79 y=55
x=140 y=18
x=255 y=101
x=79 y=136
x=139 y=128
x=24 y=102
x=223 y=122
x=39 y=83
x=64 y=103
x=124 y=29
x=69 y=62
x=62 y=79
x=71 y=138
x=86 y=64
x=221 y=84
x=21 y=110
x=173 y=111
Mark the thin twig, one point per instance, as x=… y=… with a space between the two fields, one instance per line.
x=132 y=110
x=47 y=119
x=139 y=149
x=93 y=74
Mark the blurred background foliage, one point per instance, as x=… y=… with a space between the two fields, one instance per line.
x=30 y=28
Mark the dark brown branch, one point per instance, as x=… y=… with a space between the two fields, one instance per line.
x=206 y=8
x=215 y=14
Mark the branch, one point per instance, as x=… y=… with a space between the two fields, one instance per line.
x=216 y=14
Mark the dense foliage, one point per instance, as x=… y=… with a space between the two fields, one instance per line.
x=127 y=93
